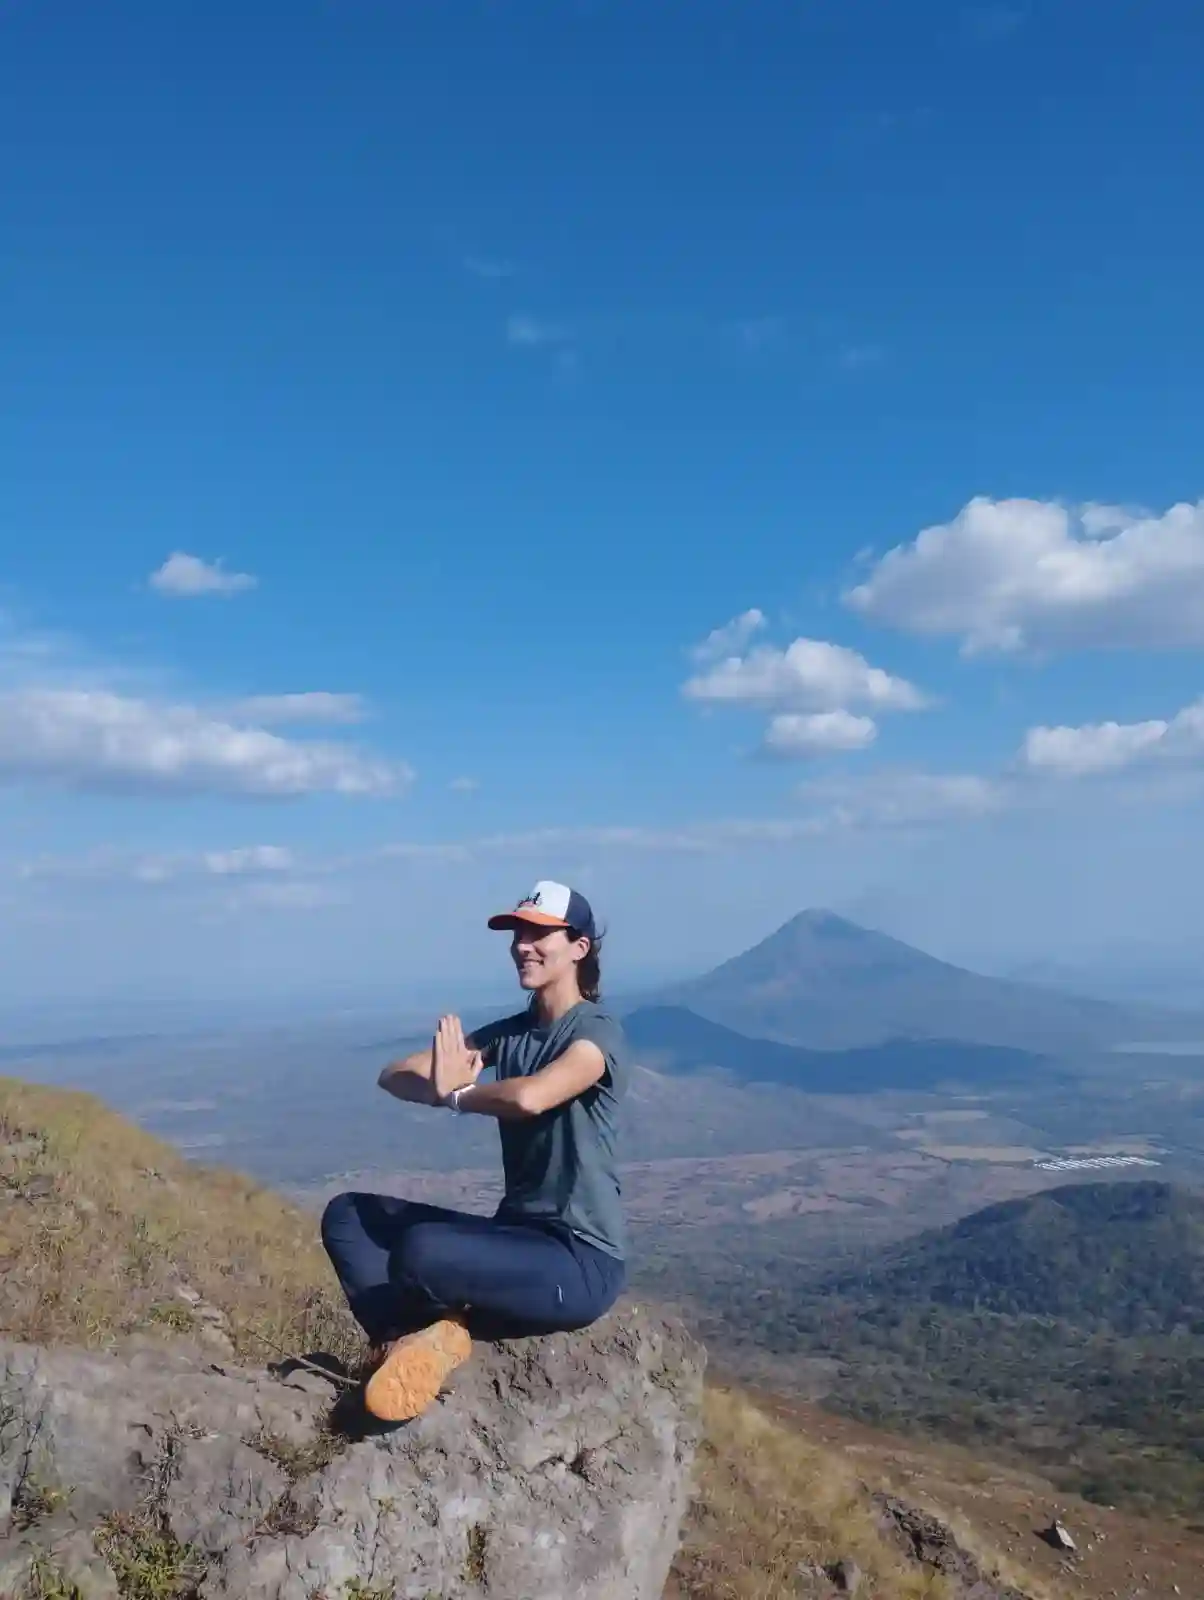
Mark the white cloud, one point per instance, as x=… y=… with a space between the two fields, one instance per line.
x=731 y=638
x=465 y=785
x=160 y=867
x=271 y=874
x=96 y=739
x=183 y=575
x=1103 y=747
x=811 y=686
x=249 y=859
x=886 y=799
x=532 y=332
x=794 y=734
x=286 y=896
x=539 y=843
x=314 y=706
x=809 y=675
x=901 y=797
x=1098 y=520
x=1010 y=574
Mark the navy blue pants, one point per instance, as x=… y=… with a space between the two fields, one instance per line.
x=403 y=1265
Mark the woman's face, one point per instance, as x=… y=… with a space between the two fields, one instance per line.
x=543 y=955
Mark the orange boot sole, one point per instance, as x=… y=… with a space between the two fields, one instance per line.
x=414 y=1371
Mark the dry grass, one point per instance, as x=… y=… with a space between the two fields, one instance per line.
x=773 y=1510
x=100 y=1224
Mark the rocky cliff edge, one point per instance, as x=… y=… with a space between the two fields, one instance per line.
x=554 y=1469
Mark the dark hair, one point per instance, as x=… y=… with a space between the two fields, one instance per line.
x=589 y=968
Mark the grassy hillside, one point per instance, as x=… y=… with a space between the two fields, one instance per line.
x=100 y=1225
x=772 y=1507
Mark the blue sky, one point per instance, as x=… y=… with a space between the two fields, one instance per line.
x=464 y=368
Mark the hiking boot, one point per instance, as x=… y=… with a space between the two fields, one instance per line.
x=415 y=1369
x=373 y=1357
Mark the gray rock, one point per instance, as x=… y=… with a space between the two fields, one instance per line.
x=930 y=1543
x=220 y=1491
x=555 y=1469
x=59 y=1560
x=21 y=1149
x=847 y=1576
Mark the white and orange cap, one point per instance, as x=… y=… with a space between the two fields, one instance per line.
x=549 y=905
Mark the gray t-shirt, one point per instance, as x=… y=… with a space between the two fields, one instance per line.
x=563 y=1166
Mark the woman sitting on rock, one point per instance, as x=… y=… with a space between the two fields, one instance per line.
x=423 y=1281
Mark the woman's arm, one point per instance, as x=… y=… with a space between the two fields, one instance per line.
x=412 y=1077
x=578 y=1069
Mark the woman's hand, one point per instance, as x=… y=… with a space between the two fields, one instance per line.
x=453 y=1064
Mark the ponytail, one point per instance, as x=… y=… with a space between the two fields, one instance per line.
x=589 y=969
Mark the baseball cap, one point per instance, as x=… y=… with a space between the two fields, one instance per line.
x=549 y=905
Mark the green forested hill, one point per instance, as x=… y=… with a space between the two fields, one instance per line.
x=1067 y=1327
x=1128 y=1257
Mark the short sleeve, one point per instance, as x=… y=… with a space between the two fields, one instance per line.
x=608 y=1036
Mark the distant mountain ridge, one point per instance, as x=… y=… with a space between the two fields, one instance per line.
x=825 y=983
x=675 y=1040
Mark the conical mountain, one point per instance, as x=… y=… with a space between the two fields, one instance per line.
x=826 y=983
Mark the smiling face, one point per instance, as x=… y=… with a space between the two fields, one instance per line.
x=544 y=956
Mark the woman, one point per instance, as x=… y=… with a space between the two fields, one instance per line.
x=422 y=1281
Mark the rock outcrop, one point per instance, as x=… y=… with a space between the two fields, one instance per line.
x=554 y=1469
x=932 y=1545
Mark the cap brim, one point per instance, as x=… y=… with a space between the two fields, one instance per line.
x=505 y=921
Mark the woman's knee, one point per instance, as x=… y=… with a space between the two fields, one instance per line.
x=418 y=1251
x=339 y=1219
x=420 y=1259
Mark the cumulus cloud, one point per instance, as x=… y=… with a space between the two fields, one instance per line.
x=796 y=734
x=809 y=675
x=96 y=739
x=811 y=687
x=1102 y=747
x=313 y=707
x=185 y=576
x=1014 y=574
x=731 y=638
